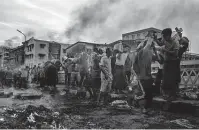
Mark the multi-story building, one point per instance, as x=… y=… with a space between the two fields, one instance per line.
x=40 y=51
x=63 y=50
x=16 y=57
x=140 y=35
x=4 y=55
x=126 y=43
x=79 y=47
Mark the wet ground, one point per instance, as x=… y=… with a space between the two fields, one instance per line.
x=64 y=111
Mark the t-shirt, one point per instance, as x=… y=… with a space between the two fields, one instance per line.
x=130 y=60
x=143 y=61
x=171 y=46
x=122 y=58
x=95 y=61
x=106 y=64
x=84 y=62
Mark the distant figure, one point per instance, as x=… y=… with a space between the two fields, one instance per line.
x=51 y=75
x=2 y=77
x=24 y=77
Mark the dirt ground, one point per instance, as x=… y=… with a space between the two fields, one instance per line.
x=66 y=112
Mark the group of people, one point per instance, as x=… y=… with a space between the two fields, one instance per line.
x=111 y=71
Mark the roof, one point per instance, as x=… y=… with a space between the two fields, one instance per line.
x=126 y=42
x=5 y=47
x=18 y=47
x=89 y=43
x=147 y=29
x=43 y=41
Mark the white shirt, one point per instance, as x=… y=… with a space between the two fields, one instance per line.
x=122 y=59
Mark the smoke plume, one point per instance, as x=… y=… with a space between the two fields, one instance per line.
x=106 y=20
x=12 y=42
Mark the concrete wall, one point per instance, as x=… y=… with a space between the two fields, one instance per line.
x=138 y=36
x=63 y=50
x=36 y=59
x=38 y=50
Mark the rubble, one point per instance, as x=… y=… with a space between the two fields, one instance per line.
x=189 y=93
x=184 y=123
x=28 y=96
x=6 y=94
x=120 y=105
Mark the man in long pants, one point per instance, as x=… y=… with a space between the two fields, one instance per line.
x=106 y=77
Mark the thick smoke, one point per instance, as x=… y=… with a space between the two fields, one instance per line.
x=106 y=20
x=30 y=33
x=87 y=17
x=12 y=42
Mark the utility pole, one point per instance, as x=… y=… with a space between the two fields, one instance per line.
x=22 y=34
x=24 y=45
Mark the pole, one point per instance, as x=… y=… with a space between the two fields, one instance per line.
x=22 y=34
x=24 y=45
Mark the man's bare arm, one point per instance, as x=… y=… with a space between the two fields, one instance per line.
x=175 y=52
x=103 y=71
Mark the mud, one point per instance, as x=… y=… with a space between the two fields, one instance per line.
x=66 y=111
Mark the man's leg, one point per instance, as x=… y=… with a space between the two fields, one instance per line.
x=128 y=75
x=82 y=75
x=106 y=93
x=102 y=90
x=69 y=79
x=147 y=86
x=66 y=79
x=158 y=81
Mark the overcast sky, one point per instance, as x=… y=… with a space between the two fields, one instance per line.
x=101 y=21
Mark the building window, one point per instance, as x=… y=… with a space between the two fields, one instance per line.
x=41 y=56
x=42 y=45
x=133 y=37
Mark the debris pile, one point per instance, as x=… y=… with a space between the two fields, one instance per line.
x=190 y=93
x=184 y=123
x=120 y=105
x=31 y=117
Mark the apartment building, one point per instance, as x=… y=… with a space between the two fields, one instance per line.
x=40 y=51
x=16 y=57
x=79 y=47
x=140 y=35
x=4 y=55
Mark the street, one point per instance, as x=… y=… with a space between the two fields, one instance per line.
x=42 y=110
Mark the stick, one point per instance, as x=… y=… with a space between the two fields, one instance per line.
x=139 y=83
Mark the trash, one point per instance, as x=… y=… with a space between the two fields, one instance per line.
x=14 y=116
x=62 y=93
x=189 y=94
x=31 y=118
x=120 y=104
x=184 y=123
x=2 y=119
x=56 y=114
